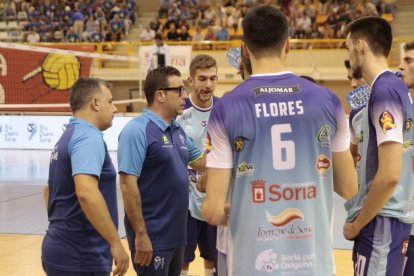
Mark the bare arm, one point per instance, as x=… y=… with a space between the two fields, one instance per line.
x=96 y=210
x=133 y=208
x=46 y=196
x=218 y=183
x=383 y=186
x=200 y=164
x=344 y=175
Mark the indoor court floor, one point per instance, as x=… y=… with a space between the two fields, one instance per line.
x=23 y=218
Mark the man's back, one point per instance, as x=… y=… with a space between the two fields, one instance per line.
x=283 y=130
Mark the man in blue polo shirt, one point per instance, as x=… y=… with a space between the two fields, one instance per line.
x=81 y=197
x=153 y=155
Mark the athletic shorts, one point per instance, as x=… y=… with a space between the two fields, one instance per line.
x=202 y=234
x=163 y=263
x=50 y=271
x=378 y=248
x=409 y=265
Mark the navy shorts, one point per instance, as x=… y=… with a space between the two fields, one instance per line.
x=164 y=263
x=50 y=271
x=409 y=265
x=378 y=248
x=202 y=234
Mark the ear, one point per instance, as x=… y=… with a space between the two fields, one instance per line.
x=95 y=104
x=361 y=44
x=287 y=46
x=160 y=96
x=190 y=81
x=245 y=50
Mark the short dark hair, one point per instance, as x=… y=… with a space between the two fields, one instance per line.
x=156 y=79
x=356 y=74
x=375 y=30
x=158 y=36
x=84 y=90
x=409 y=46
x=265 y=30
x=201 y=62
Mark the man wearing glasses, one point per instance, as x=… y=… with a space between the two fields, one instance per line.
x=153 y=155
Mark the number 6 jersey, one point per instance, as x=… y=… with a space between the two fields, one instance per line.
x=277 y=132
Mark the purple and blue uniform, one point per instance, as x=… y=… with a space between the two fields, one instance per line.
x=387 y=118
x=71 y=243
x=278 y=132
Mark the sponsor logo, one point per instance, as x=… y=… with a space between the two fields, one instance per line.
x=31 y=130
x=158 y=262
x=182 y=138
x=239 y=144
x=64 y=126
x=361 y=137
x=244 y=169
x=408 y=145
x=324 y=134
x=55 y=154
x=269 y=261
x=187 y=116
x=9 y=134
x=276 y=90
x=386 y=121
x=44 y=135
x=259 y=191
x=203 y=123
x=408 y=124
x=323 y=164
x=285 y=192
x=285 y=217
x=165 y=140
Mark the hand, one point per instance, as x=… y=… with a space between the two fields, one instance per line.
x=121 y=259
x=351 y=231
x=143 y=250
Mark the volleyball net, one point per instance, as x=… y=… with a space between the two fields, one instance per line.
x=36 y=78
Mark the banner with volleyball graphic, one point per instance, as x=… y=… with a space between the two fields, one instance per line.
x=34 y=77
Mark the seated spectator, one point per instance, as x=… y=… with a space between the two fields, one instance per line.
x=116 y=27
x=172 y=34
x=71 y=36
x=184 y=35
x=198 y=36
x=223 y=34
x=131 y=5
x=33 y=36
x=90 y=28
x=148 y=34
x=156 y=24
x=78 y=22
x=211 y=35
x=124 y=16
x=10 y=11
x=174 y=15
x=97 y=36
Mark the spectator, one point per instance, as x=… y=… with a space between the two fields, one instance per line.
x=71 y=36
x=116 y=27
x=33 y=36
x=211 y=35
x=223 y=34
x=148 y=34
x=198 y=36
x=78 y=22
x=184 y=35
x=90 y=28
x=172 y=34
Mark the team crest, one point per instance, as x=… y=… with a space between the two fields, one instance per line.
x=408 y=124
x=386 y=121
x=165 y=139
x=323 y=135
x=239 y=144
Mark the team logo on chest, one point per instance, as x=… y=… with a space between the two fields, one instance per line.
x=165 y=140
x=239 y=144
x=386 y=121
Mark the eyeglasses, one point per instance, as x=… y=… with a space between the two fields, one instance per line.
x=180 y=90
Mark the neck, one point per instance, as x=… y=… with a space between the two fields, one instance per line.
x=87 y=116
x=196 y=101
x=168 y=118
x=372 y=67
x=267 y=65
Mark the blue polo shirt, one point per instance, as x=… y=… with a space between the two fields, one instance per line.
x=71 y=242
x=158 y=154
